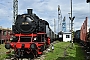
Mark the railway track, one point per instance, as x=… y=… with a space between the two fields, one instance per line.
x=38 y=58
x=65 y=52
x=42 y=57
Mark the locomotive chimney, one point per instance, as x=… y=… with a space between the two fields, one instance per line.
x=29 y=11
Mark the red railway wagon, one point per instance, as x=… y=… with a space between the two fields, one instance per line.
x=83 y=33
x=5 y=35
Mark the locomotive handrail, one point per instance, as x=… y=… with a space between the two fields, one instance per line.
x=41 y=33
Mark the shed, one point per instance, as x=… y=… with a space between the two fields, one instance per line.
x=66 y=36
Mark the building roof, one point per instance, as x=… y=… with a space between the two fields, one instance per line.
x=67 y=33
x=1 y=28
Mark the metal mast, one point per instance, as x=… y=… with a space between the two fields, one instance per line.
x=64 y=25
x=59 y=19
x=71 y=18
x=15 y=9
x=69 y=22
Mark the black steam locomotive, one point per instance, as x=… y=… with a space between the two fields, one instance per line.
x=31 y=35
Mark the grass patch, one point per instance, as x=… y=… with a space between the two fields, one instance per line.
x=75 y=53
x=58 y=51
x=3 y=51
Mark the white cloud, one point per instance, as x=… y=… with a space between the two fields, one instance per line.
x=47 y=10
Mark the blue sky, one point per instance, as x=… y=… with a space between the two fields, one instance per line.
x=47 y=10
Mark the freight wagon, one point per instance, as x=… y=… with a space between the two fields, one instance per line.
x=5 y=35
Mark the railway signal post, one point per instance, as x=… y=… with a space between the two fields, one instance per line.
x=71 y=18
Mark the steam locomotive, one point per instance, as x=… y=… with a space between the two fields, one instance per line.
x=31 y=35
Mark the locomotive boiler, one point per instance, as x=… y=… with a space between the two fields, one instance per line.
x=29 y=23
x=31 y=35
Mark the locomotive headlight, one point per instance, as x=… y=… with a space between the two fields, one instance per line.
x=35 y=38
x=11 y=38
